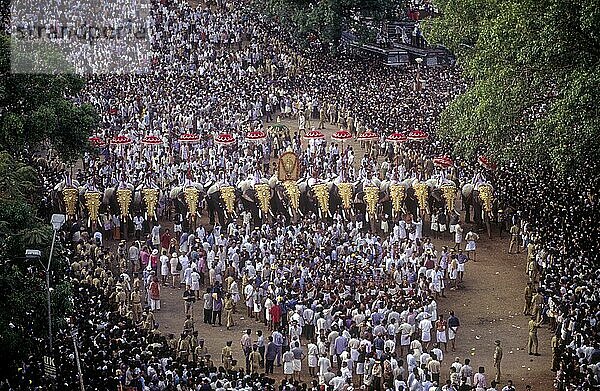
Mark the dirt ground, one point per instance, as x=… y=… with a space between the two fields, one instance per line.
x=489 y=307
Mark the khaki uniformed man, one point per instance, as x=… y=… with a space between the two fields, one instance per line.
x=188 y=325
x=497 y=359
x=226 y=355
x=136 y=303
x=171 y=342
x=183 y=348
x=255 y=360
x=528 y=296
x=536 y=305
x=193 y=344
x=532 y=343
x=229 y=305
x=200 y=351
x=514 y=238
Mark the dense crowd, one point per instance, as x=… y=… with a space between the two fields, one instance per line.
x=315 y=286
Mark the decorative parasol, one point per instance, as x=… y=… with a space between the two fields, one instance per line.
x=485 y=162
x=224 y=139
x=417 y=135
x=341 y=135
x=314 y=135
x=443 y=161
x=396 y=137
x=256 y=135
x=121 y=140
x=151 y=140
x=368 y=136
x=189 y=138
x=96 y=142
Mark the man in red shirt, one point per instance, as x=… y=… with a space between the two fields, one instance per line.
x=165 y=240
x=276 y=315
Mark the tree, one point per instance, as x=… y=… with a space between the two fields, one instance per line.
x=23 y=313
x=533 y=69
x=36 y=109
x=324 y=19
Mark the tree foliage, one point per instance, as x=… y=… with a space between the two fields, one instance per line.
x=324 y=19
x=533 y=69
x=36 y=109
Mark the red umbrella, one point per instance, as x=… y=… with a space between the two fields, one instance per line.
x=443 y=161
x=121 y=140
x=341 y=135
x=396 y=137
x=485 y=162
x=189 y=138
x=368 y=136
x=151 y=140
x=224 y=139
x=96 y=141
x=256 y=135
x=314 y=135
x=417 y=135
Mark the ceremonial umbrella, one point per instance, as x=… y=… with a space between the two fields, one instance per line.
x=150 y=140
x=188 y=139
x=417 y=135
x=485 y=162
x=396 y=137
x=96 y=141
x=314 y=135
x=224 y=139
x=368 y=136
x=443 y=161
x=341 y=136
x=256 y=135
x=121 y=141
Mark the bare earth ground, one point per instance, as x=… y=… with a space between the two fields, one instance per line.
x=489 y=307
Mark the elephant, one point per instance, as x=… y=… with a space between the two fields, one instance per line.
x=470 y=198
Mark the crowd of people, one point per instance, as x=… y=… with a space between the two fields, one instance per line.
x=315 y=286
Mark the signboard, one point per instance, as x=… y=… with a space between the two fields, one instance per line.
x=49 y=367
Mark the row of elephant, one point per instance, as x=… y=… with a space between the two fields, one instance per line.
x=271 y=198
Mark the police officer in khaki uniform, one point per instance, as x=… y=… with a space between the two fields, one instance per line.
x=497 y=359
x=532 y=343
x=183 y=348
x=136 y=303
x=528 y=297
x=227 y=355
x=229 y=305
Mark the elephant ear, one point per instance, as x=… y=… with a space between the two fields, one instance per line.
x=198 y=186
x=175 y=192
x=385 y=185
x=467 y=189
x=59 y=186
x=302 y=186
x=432 y=183
x=273 y=181
x=213 y=189
x=376 y=181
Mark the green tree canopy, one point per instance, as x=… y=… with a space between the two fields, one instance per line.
x=533 y=69
x=37 y=108
x=324 y=19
